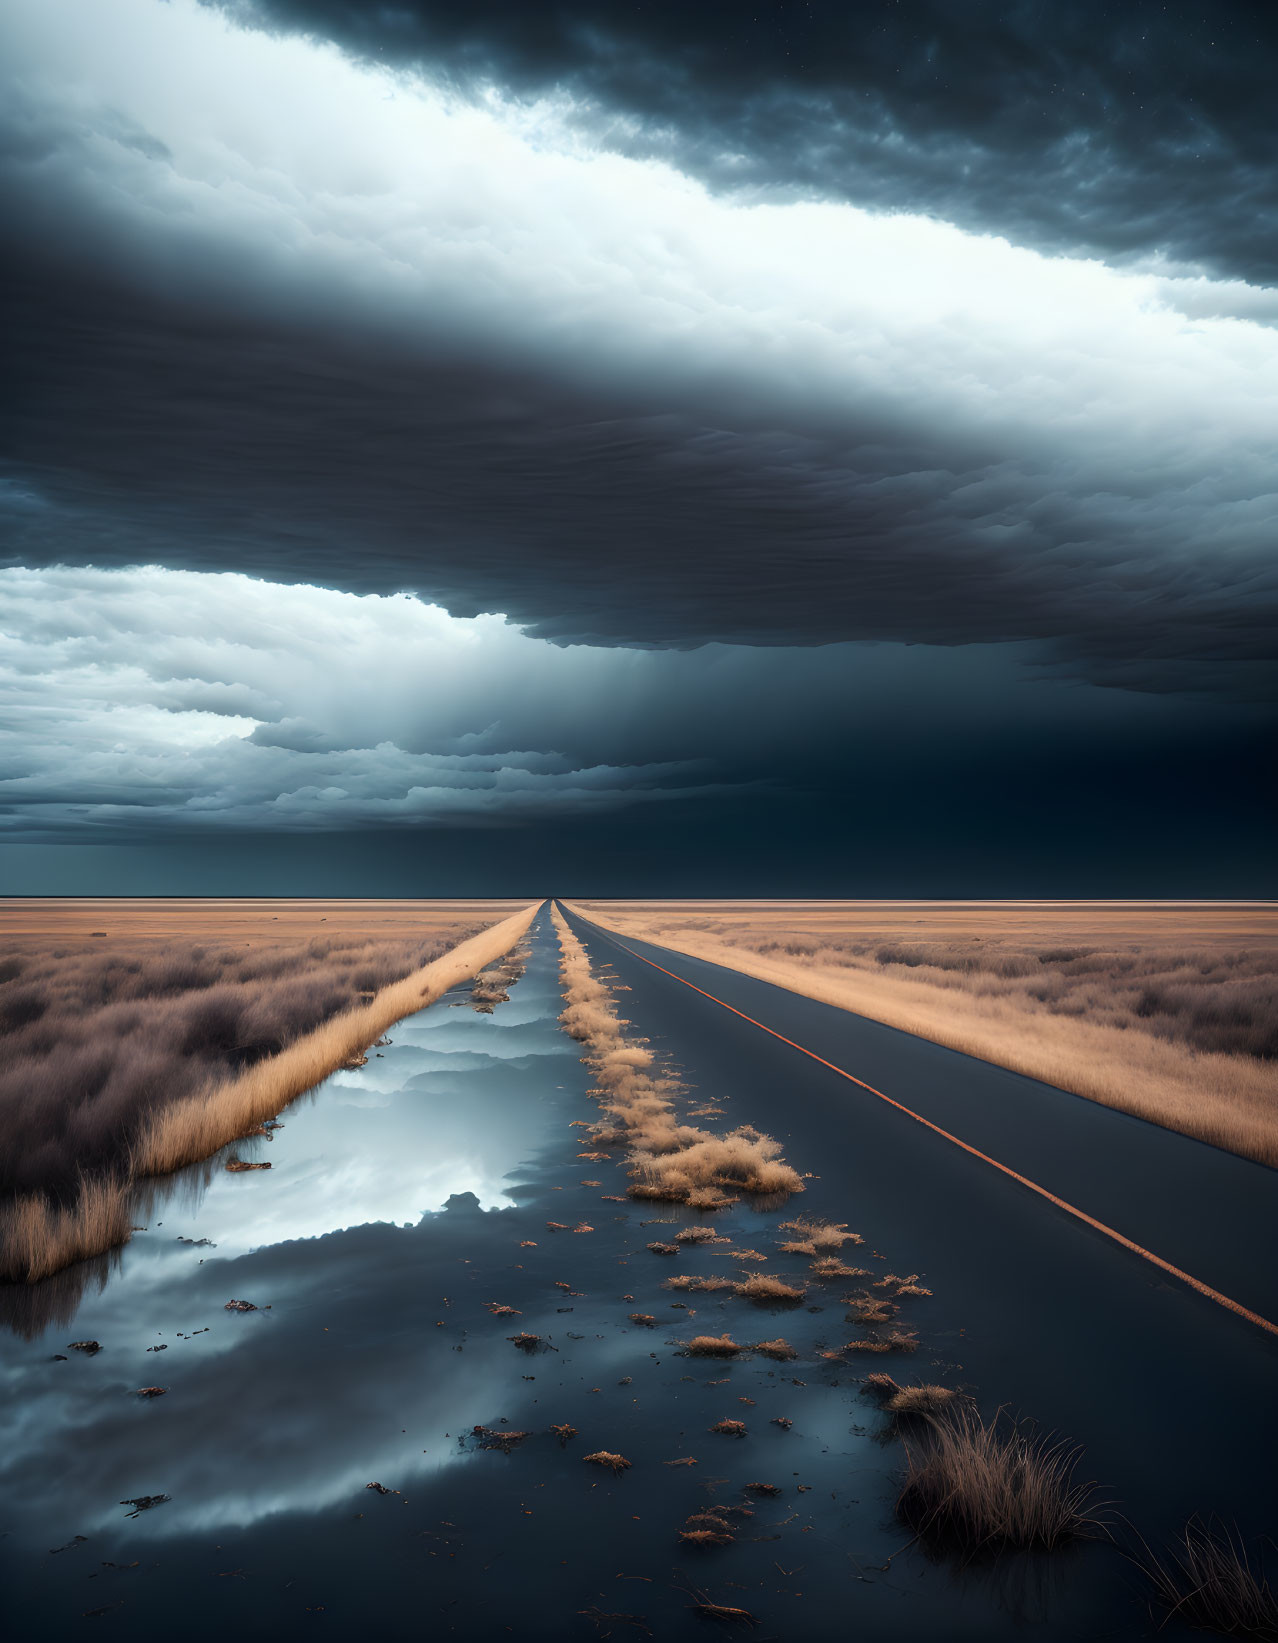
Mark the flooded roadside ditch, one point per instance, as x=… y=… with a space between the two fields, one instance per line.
x=365 y=1444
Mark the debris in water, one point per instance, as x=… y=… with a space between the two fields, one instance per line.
x=198 y=1243
x=152 y=1391
x=564 y=1432
x=730 y=1429
x=524 y=1341
x=645 y=1319
x=237 y=1165
x=768 y=1489
x=157 y=1348
x=144 y=1503
x=381 y=1489
x=664 y=1249
x=707 y=1528
x=491 y=1437
x=602 y=1617
x=86 y=1346
x=239 y=1306
x=604 y=1457
x=79 y=1540
x=783 y=1421
x=500 y=1311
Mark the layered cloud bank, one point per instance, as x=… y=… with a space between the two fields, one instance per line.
x=155 y=702
x=289 y=312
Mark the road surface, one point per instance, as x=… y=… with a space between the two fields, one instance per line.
x=1170 y=1392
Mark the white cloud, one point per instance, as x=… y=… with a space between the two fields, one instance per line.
x=154 y=698
x=151 y=699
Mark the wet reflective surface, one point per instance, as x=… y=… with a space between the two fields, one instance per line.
x=402 y=1198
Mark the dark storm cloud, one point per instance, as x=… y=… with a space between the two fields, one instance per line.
x=191 y=436
x=451 y=347
x=1118 y=131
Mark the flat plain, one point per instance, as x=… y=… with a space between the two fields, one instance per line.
x=1168 y=1009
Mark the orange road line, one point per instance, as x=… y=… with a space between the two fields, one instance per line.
x=1024 y=1180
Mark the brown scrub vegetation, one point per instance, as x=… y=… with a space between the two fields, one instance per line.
x=140 y=1056
x=1168 y=1010
x=973 y=1486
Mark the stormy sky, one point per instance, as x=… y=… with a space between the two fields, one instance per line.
x=748 y=449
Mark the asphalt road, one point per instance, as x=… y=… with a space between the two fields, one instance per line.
x=1171 y=1395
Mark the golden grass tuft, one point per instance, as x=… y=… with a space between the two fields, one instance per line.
x=762 y=1286
x=809 y=1236
x=871 y=1312
x=920 y=1402
x=730 y=1428
x=972 y=1487
x=38 y=1238
x=895 y=1340
x=879 y=1385
x=830 y=1266
x=709 y=1284
x=779 y=1349
x=669 y=1161
x=712 y=1346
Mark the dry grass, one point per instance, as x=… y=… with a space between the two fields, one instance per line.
x=830 y=1266
x=1168 y=1010
x=894 y=1340
x=605 y=1457
x=762 y=1286
x=45 y=1230
x=712 y=1346
x=38 y=1238
x=921 y=1402
x=808 y=1237
x=99 y=1036
x=972 y=1487
x=1210 y=1581
x=669 y=1161
x=779 y=1349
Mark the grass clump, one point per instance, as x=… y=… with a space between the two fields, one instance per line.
x=972 y=1486
x=730 y=1428
x=810 y=1237
x=894 y=1340
x=762 y=1286
x=713 y=1346
x=920 y=1402
x=779 y=1349
x=1210 y=1581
